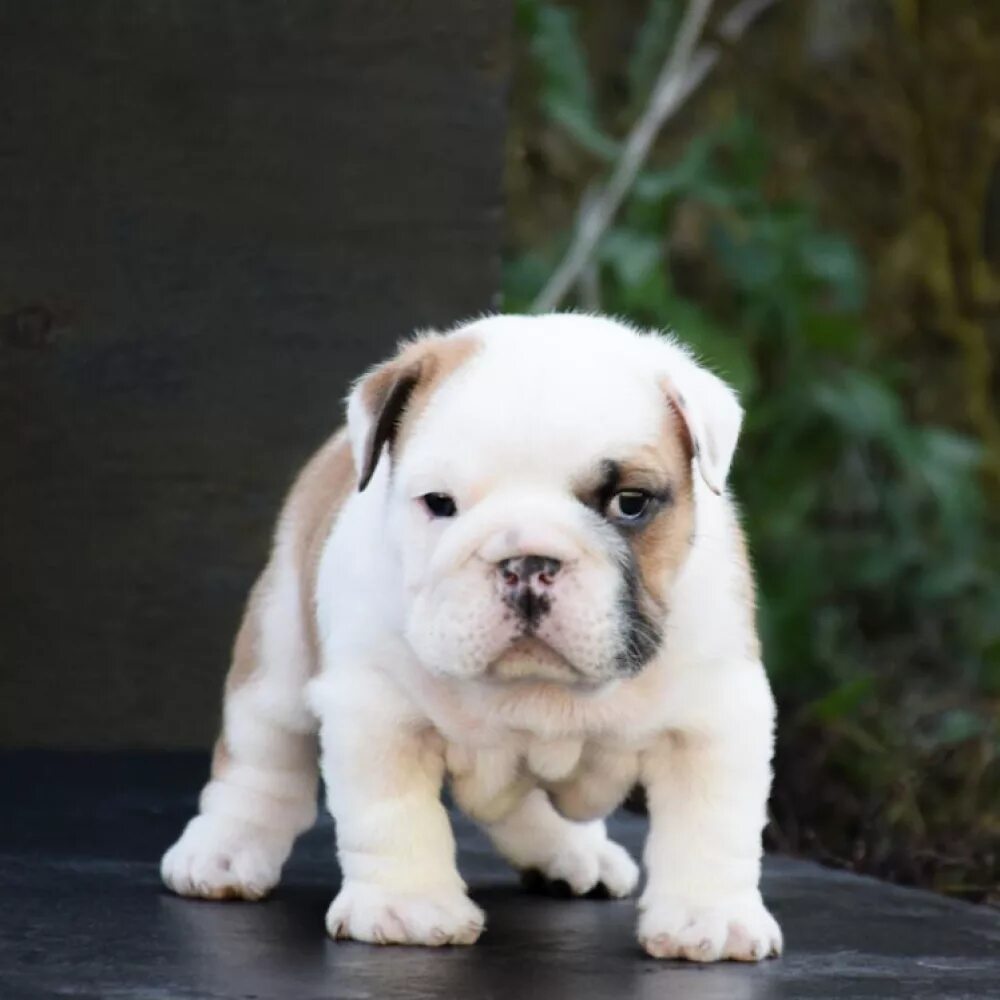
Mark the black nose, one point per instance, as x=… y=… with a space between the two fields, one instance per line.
x=536 y=572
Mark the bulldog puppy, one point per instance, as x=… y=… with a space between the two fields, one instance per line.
x=516 y=570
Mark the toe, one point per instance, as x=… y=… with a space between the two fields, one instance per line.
x=618 y=872
x=739 y=929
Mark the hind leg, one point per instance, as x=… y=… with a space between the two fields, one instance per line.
x=262 y=790
x=536 y=838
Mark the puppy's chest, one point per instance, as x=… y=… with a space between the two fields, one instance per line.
x=488 y=782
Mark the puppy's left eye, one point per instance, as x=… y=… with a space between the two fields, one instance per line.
x=439 y=504
x=630 y=506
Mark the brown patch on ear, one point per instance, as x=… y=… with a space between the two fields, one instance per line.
x=385 y=394
x=397 y=392
x=678 y=408
x=659 y=549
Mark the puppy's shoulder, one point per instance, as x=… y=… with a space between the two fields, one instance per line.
x=314 y=502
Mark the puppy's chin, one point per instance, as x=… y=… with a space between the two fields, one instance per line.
x=530 y=658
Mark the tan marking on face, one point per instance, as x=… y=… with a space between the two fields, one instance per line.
x=661 y=546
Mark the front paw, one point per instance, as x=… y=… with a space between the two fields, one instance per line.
x=224 y=859
x=370 y=913
x=738 y=928
x=584 y=866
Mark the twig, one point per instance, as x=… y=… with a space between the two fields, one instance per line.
x=663 y=101
x=683 y=72
x=588 y=285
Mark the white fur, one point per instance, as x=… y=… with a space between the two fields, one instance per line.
x=417 y=683
x=249 y=820
x=533 y=836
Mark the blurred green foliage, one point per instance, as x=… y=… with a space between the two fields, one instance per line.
x=874 y=544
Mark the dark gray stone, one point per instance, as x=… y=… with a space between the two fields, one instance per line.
x=84 y=916
x=213 y=215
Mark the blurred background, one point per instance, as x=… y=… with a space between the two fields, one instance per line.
x=819 y=217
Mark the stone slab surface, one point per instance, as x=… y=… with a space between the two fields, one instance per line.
x=82 y=915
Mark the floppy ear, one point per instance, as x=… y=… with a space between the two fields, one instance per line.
x=375 y=408
x=379 y=402
x=711 y=414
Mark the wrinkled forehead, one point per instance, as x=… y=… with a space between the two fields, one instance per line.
x=538 y=408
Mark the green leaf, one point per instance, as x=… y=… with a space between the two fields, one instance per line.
x=839 y=333
x=990 y=672
x=526 y=16
x=580 y=125
x=748 y=257
x=944 y=463
x=523 y=278
x=833 y=261
x=864 y=407
x=948 y=580
x=653 y=42
x=746 y=156
x=558 y=52
x=689 y=175
x=843 y=701
x=957 y=726
x=567 y=97
x=632 y=256
x=954 y=453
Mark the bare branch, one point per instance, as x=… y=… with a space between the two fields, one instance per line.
x=683 y=72
x=588 y=285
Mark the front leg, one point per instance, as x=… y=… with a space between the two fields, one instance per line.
x=707 y=789
x=383 y=773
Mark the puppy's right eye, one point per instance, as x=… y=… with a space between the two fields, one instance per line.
x=439 y=504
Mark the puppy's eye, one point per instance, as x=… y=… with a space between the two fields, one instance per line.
x=630 y=506
x=439 y=504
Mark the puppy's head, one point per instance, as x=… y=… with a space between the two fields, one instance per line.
x=540 y=482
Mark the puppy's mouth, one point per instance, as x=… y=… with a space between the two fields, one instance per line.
x=531 y=658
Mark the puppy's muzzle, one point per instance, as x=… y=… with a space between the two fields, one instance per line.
x=526 y=584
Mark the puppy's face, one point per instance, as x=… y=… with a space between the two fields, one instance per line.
x=541 y=493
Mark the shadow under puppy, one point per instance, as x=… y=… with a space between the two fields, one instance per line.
x=516 y=569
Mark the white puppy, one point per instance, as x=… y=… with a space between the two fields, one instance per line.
x=517 y=570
